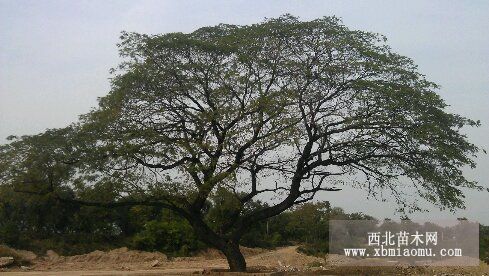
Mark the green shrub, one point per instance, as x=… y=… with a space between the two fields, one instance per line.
x=484 y=243
x=318 y=249
x=174 y=238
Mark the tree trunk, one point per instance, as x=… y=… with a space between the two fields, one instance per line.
x=229 y=247
x=236 y=261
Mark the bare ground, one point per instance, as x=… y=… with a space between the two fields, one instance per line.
x=282 y=260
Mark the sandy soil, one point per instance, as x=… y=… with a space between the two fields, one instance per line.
x=131 y=262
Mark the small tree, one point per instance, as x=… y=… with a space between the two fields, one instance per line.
x=278 y=111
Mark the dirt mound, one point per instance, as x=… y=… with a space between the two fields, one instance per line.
x=120 y=256
x=458 y=261
x=119 y=259
x=285 y=258
x=336 y=259
x=21 y=257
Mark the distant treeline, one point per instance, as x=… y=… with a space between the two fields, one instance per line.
x=41 y=222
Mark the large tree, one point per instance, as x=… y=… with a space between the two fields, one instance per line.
x=226 y=115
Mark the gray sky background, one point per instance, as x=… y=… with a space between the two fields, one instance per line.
x=55 y=58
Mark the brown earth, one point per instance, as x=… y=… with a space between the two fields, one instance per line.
x=123 y=261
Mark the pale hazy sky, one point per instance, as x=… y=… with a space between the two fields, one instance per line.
x=55 y=57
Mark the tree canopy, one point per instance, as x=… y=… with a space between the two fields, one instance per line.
x=277 y=111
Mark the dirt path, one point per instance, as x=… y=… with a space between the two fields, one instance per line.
x=169 y=271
